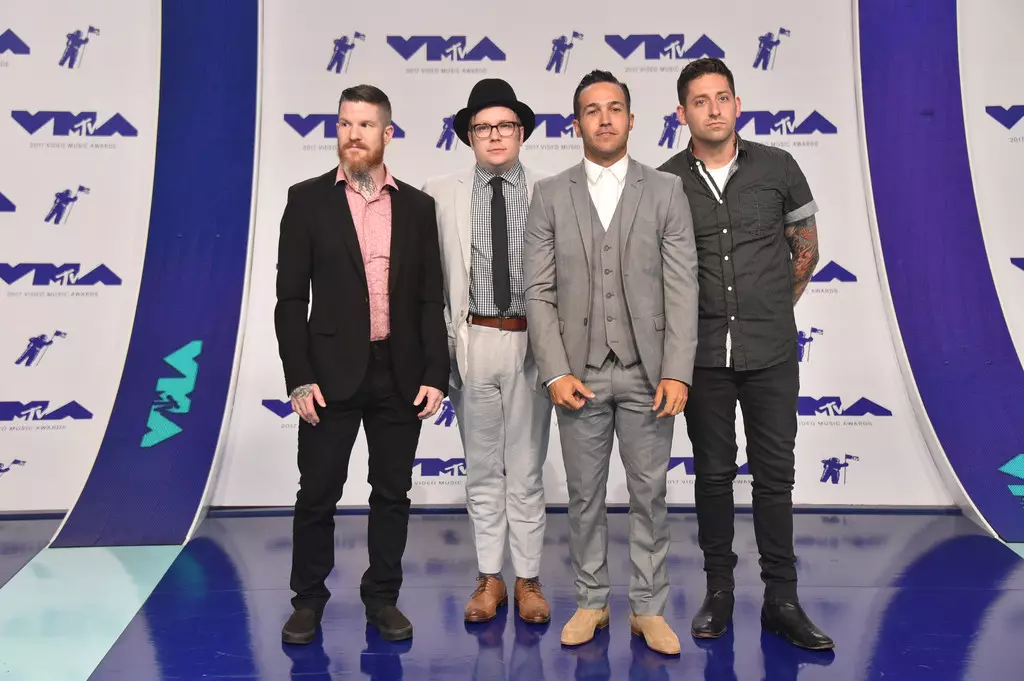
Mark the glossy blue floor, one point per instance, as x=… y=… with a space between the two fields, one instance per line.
x=907 y=597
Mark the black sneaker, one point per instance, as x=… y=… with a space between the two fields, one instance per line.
x=392 y=624
x=301 y=626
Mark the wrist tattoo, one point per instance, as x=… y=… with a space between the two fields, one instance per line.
x=302 y=391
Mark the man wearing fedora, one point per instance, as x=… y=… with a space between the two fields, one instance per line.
x=504 y=420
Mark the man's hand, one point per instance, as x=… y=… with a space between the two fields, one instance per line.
x=569 y=392
x=674 y=394
x=302 y=402
x=432 y=397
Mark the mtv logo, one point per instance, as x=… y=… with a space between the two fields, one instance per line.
x=283 y=408
x=439 y=48
x=784 y=123
x=10 y=42
x=1019 y=262
x=657 y=47
x=5 y=468
x=44 y=274
x=39 y=411
x=556 y=125
x=6 y=205
x=687 y=463
x=304 y=125
x=831 y=271
x=1007 y=117
x=433 y=468
x=66 y=123
x=833 y=406
x=173 y=394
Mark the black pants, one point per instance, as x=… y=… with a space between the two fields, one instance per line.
x=392 y=434
x=768 y=400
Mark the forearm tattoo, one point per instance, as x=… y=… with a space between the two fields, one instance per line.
x=302 y=391
x=803 y=244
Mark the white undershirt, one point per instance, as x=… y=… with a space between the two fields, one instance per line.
x=605 y=186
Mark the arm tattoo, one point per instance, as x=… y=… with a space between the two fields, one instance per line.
x=803 y=244
x=302 y=391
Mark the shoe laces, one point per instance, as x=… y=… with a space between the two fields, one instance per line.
x=482 y=583
x=531 y=585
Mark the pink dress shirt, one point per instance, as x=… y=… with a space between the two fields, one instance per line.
x=372 y=218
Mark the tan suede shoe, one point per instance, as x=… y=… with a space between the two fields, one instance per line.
x=581 y=627
x=533 y=607
x=656 y=632
x=490 y=595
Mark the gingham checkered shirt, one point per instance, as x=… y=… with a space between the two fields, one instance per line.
x=517 y=207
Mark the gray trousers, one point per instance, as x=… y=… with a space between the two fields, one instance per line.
x=505 y=425
x=621 y=406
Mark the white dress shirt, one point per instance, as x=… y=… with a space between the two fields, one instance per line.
x=606 y=186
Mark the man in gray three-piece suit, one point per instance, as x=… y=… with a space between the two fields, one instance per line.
x=611 y=303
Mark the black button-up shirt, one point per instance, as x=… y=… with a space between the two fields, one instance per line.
x=745 y=272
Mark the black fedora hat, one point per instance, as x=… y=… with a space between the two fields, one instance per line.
x=493 y=92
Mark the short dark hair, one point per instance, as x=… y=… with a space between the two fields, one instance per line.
x=597 y=76
x=369 y=94
x=702 y=67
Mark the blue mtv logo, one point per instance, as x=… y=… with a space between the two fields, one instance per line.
x=173 y=394
x=670 y=131
x=305 y=125
x=63 y=202
x=283 y=408
x=687 y=463
x=439 y=48
x=74 y=48
x=1019 y=262
x=803 y=343
x=82 y=124
x=1008 y=117
x=36 y=348
x=784 y=123
x=556 y=125
x=832 y=466
x=340 y=58
x=45 y=274
x=767 y=48
x=6 y=468
x=560 y=46
x=658 y=47
x=832 y=271
x=448 y=139
x=446 y=415
x=833 y=406
x=39 y=410
x=436 y=468
x=6 y=205
x=10 y=42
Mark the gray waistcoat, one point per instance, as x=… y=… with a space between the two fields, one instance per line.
x=610 y=327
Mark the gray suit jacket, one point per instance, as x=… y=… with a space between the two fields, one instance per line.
x=659 y=267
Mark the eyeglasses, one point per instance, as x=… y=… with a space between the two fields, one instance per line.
x=505 y=129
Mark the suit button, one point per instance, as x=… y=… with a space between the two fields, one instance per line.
x=607 y=295
x=607 y=248
x=607 y=271
x=584 y=321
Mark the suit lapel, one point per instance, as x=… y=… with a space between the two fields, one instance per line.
x=632 y=190
x=463 y=220
x=339 y=218
x=581 y=203
x=399 y=236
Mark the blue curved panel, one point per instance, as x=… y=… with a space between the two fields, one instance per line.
x=146 y=485
x=957 y=342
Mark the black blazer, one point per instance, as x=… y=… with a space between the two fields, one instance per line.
x=318 y=244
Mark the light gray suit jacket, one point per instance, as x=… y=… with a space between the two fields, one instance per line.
x=658 y=263
x=453 y=196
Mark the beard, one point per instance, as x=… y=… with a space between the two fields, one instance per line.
x=361 y=159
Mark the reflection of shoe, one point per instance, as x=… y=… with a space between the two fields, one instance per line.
x=301 y=626
x=656 y=632
x=490 y=595
x=392 y=624
x=787 y=619
x=714 y=615
x=581 y=626
x=533 y=607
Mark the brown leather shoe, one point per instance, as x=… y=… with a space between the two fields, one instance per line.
x=490 y=595
x=533 y=607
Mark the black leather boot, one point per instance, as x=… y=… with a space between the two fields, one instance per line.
x=787 y=619
x=391 y=623
x=714 y=615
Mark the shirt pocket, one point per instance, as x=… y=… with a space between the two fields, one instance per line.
x=760 y=213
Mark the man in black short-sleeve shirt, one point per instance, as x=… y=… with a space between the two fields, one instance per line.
x=753 y=217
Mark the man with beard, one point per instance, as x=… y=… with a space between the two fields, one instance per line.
x=611 y=301
x=373 y=352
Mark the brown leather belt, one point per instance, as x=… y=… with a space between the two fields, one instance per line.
x=503 y=323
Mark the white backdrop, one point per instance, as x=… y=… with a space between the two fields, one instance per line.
x=55 y=403
x=857 y=409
